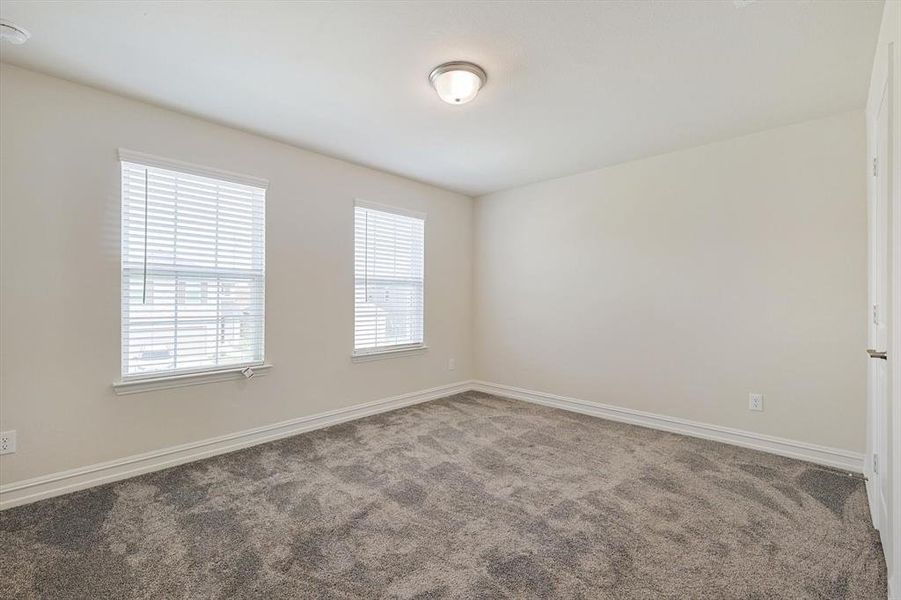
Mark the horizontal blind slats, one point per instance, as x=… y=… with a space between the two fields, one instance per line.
x=201 y=243
x=388 y=280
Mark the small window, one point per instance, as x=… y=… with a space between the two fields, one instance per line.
x=193 y=270
x=388 y=283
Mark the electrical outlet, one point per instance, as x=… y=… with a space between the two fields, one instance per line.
x=755 y=402
x=451 y=364
x=7 y=442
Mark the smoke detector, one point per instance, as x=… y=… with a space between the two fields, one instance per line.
x=12 y=33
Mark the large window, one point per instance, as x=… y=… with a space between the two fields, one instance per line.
x=388 y=290
x=193 y=268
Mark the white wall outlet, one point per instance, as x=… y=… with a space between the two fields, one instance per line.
x=451 y=364
x=7 y=442
x=755 y=402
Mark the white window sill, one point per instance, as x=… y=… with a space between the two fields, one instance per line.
x=382 y=354
x=150 y=384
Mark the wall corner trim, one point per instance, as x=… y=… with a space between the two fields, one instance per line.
x=823 y=455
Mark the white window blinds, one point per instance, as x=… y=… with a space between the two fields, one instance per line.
x=193 y=272
x=388 y=290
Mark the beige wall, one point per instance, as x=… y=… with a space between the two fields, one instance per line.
x=675 y=284
x=680 y=283
x=59 y=261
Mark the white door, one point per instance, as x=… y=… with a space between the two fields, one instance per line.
x=878 y=307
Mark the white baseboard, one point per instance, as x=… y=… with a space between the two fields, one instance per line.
x=55 y=484
x=833 y=457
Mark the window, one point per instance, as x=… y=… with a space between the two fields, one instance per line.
x=193 y=268
x=388 y=282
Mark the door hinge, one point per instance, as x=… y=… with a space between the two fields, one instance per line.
x=876 y=463
x=875 y=166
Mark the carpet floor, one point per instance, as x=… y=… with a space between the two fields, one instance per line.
x=471 y=496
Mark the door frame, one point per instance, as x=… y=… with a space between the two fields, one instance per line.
x=893 y=171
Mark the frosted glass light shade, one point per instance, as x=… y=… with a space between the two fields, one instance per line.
x=12 y=33
x=457 y=82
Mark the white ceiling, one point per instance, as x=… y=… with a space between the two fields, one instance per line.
x=571 y=86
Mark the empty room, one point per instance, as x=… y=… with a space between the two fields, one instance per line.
x=450 y=299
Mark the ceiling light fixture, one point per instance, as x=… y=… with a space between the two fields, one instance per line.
x=13 y=33
x=458 y=82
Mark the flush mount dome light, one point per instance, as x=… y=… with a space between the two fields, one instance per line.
x=13 y=33
x=457 y=82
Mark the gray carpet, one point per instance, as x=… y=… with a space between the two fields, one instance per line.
x=471 y=496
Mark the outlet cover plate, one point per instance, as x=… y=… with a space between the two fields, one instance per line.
x=755 y=402
x=7 y=442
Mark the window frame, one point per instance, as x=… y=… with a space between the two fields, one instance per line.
x=164 y=379
x=399 y=350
